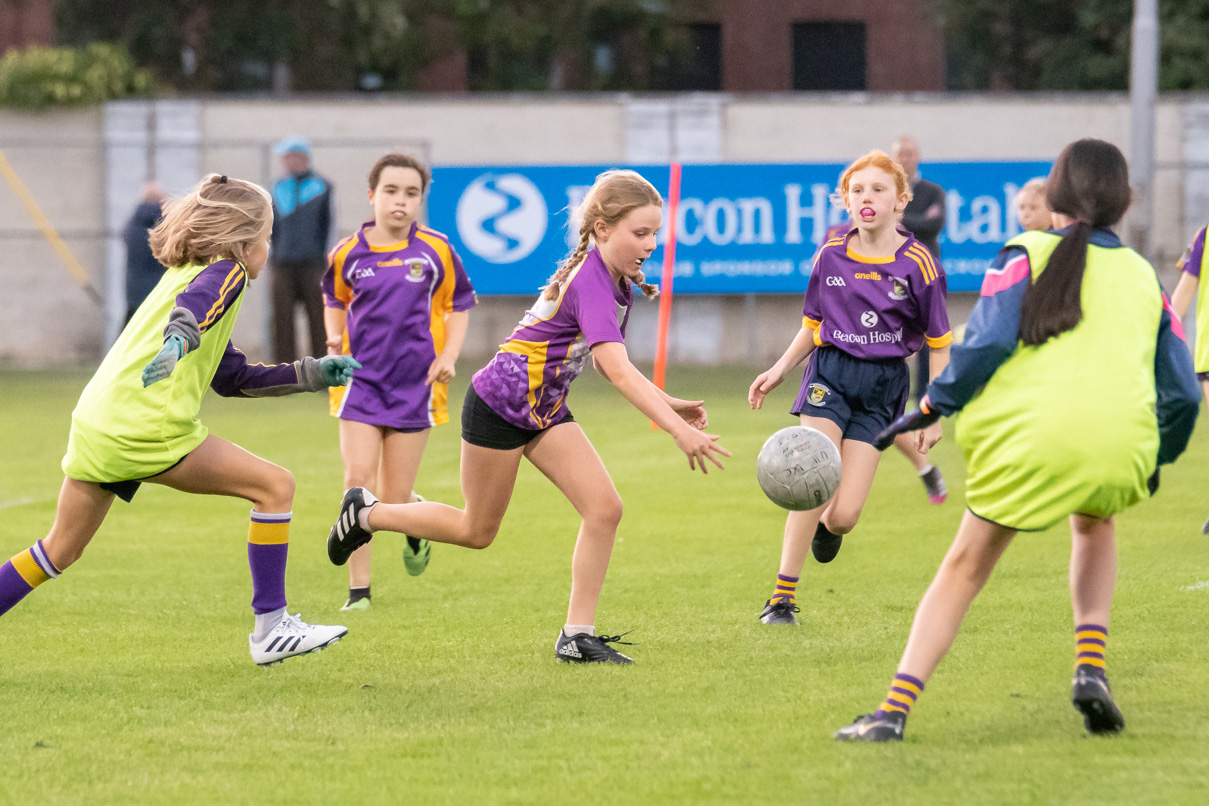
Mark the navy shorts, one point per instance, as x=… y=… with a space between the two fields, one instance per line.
x=125 y=490
x=481 y=426
x=862 y=396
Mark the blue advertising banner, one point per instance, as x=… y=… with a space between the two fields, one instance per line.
x=740 y=228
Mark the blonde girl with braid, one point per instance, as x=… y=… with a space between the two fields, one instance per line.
x=517 y=408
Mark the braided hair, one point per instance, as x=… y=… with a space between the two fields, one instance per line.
x=613 y=196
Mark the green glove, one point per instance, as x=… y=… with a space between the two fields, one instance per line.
x=161 y=366
x=337 y=370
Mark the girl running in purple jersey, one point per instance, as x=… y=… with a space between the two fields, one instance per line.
x=397 y=299
x=137 y=420
x=875 y=296
x=517 y=408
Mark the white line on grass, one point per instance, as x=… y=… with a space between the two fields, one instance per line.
x=20 y=502
x=1200 y=586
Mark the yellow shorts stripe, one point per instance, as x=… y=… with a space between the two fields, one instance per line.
x=268 y=534
x=29 y=569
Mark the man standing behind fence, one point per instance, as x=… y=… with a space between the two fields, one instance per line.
x=925 y=219
x=302 y=220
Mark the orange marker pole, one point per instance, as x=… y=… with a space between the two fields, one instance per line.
x=669 y=270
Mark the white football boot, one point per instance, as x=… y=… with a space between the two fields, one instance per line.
x=292 y=636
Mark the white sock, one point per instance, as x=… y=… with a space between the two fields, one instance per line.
x=576 y=629
x=265 y=622
x=926 y=470
x=363 y=518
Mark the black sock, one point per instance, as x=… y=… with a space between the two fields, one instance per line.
x=823 y=533
x=357 y=594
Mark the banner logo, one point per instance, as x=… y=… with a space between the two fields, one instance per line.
x=501 y=218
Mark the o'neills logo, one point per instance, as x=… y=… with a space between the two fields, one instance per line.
x=871 y=275
x=867 y=338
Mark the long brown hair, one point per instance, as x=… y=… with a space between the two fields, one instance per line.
x=613 y=196
x=1089 y=183
x=220 y=217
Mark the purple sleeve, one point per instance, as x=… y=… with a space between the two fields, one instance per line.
x=1191 y=261
x=812 y=307
x=595 y=311
x=235 y=377
x=212 y=292
x=328 y=286
x=934 y=311
x=463 y=292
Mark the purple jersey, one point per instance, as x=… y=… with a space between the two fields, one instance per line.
x=528 y=380
x=397 y=297
x=876 y=308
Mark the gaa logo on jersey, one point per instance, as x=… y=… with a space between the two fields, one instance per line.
x=816 y=394
x=501 y=217
x=869 y=318
x=900 y=289
x=415 y=269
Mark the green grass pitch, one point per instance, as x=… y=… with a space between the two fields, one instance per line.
x=128 y=680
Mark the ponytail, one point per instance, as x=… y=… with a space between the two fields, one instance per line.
x=1089 y=183
x=554 y=284
x=1053 y=302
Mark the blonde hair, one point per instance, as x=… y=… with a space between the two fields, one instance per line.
x=1035 y=185
x=613 y=196
x=220 y=217
x=882 y=160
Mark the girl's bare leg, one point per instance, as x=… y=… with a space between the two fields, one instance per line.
x=361 y=451
x=1093 y=569
x=81 y=509
x=565 y=456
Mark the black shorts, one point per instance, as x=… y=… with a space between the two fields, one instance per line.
x=862 y=396
x=125 y=490
x=481 y=426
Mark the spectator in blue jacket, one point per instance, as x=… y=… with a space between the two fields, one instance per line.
x=302 y=220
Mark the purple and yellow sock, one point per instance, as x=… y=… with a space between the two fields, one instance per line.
x=22 y=574
x=786 y=588
x=903 y=693
x=1090 y=641
x=268 y=545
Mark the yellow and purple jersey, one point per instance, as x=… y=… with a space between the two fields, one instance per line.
x=527 y=381
x=1193 y=263
x=877 y=308
x=397 y=297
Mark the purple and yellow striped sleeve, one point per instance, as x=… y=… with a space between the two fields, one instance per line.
x=212 y=291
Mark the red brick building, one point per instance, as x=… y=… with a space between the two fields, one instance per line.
x=26 y=22
x=778 y=45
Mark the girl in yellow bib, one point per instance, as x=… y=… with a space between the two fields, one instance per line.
x=137 y=419
x=1193 y=284
x=1073 y=387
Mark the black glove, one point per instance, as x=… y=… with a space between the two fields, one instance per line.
x=920 y=418
x=1152 y=483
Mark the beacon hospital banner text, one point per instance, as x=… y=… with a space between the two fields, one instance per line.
x=740 y=228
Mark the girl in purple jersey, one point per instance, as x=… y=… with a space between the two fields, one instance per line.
x=516 y=408
x=875 y=296
x=137 y=420
x=397 y=299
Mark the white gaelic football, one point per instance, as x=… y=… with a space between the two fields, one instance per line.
x=799 y=468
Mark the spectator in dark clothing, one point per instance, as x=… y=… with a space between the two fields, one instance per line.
x=925 y=219
x=143 y=271
x=302 y=221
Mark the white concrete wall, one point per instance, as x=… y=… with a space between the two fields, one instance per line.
x=64 y=159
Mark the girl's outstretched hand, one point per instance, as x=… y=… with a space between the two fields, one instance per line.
x=699 y=446
x=691 y=411
x=764 y=383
